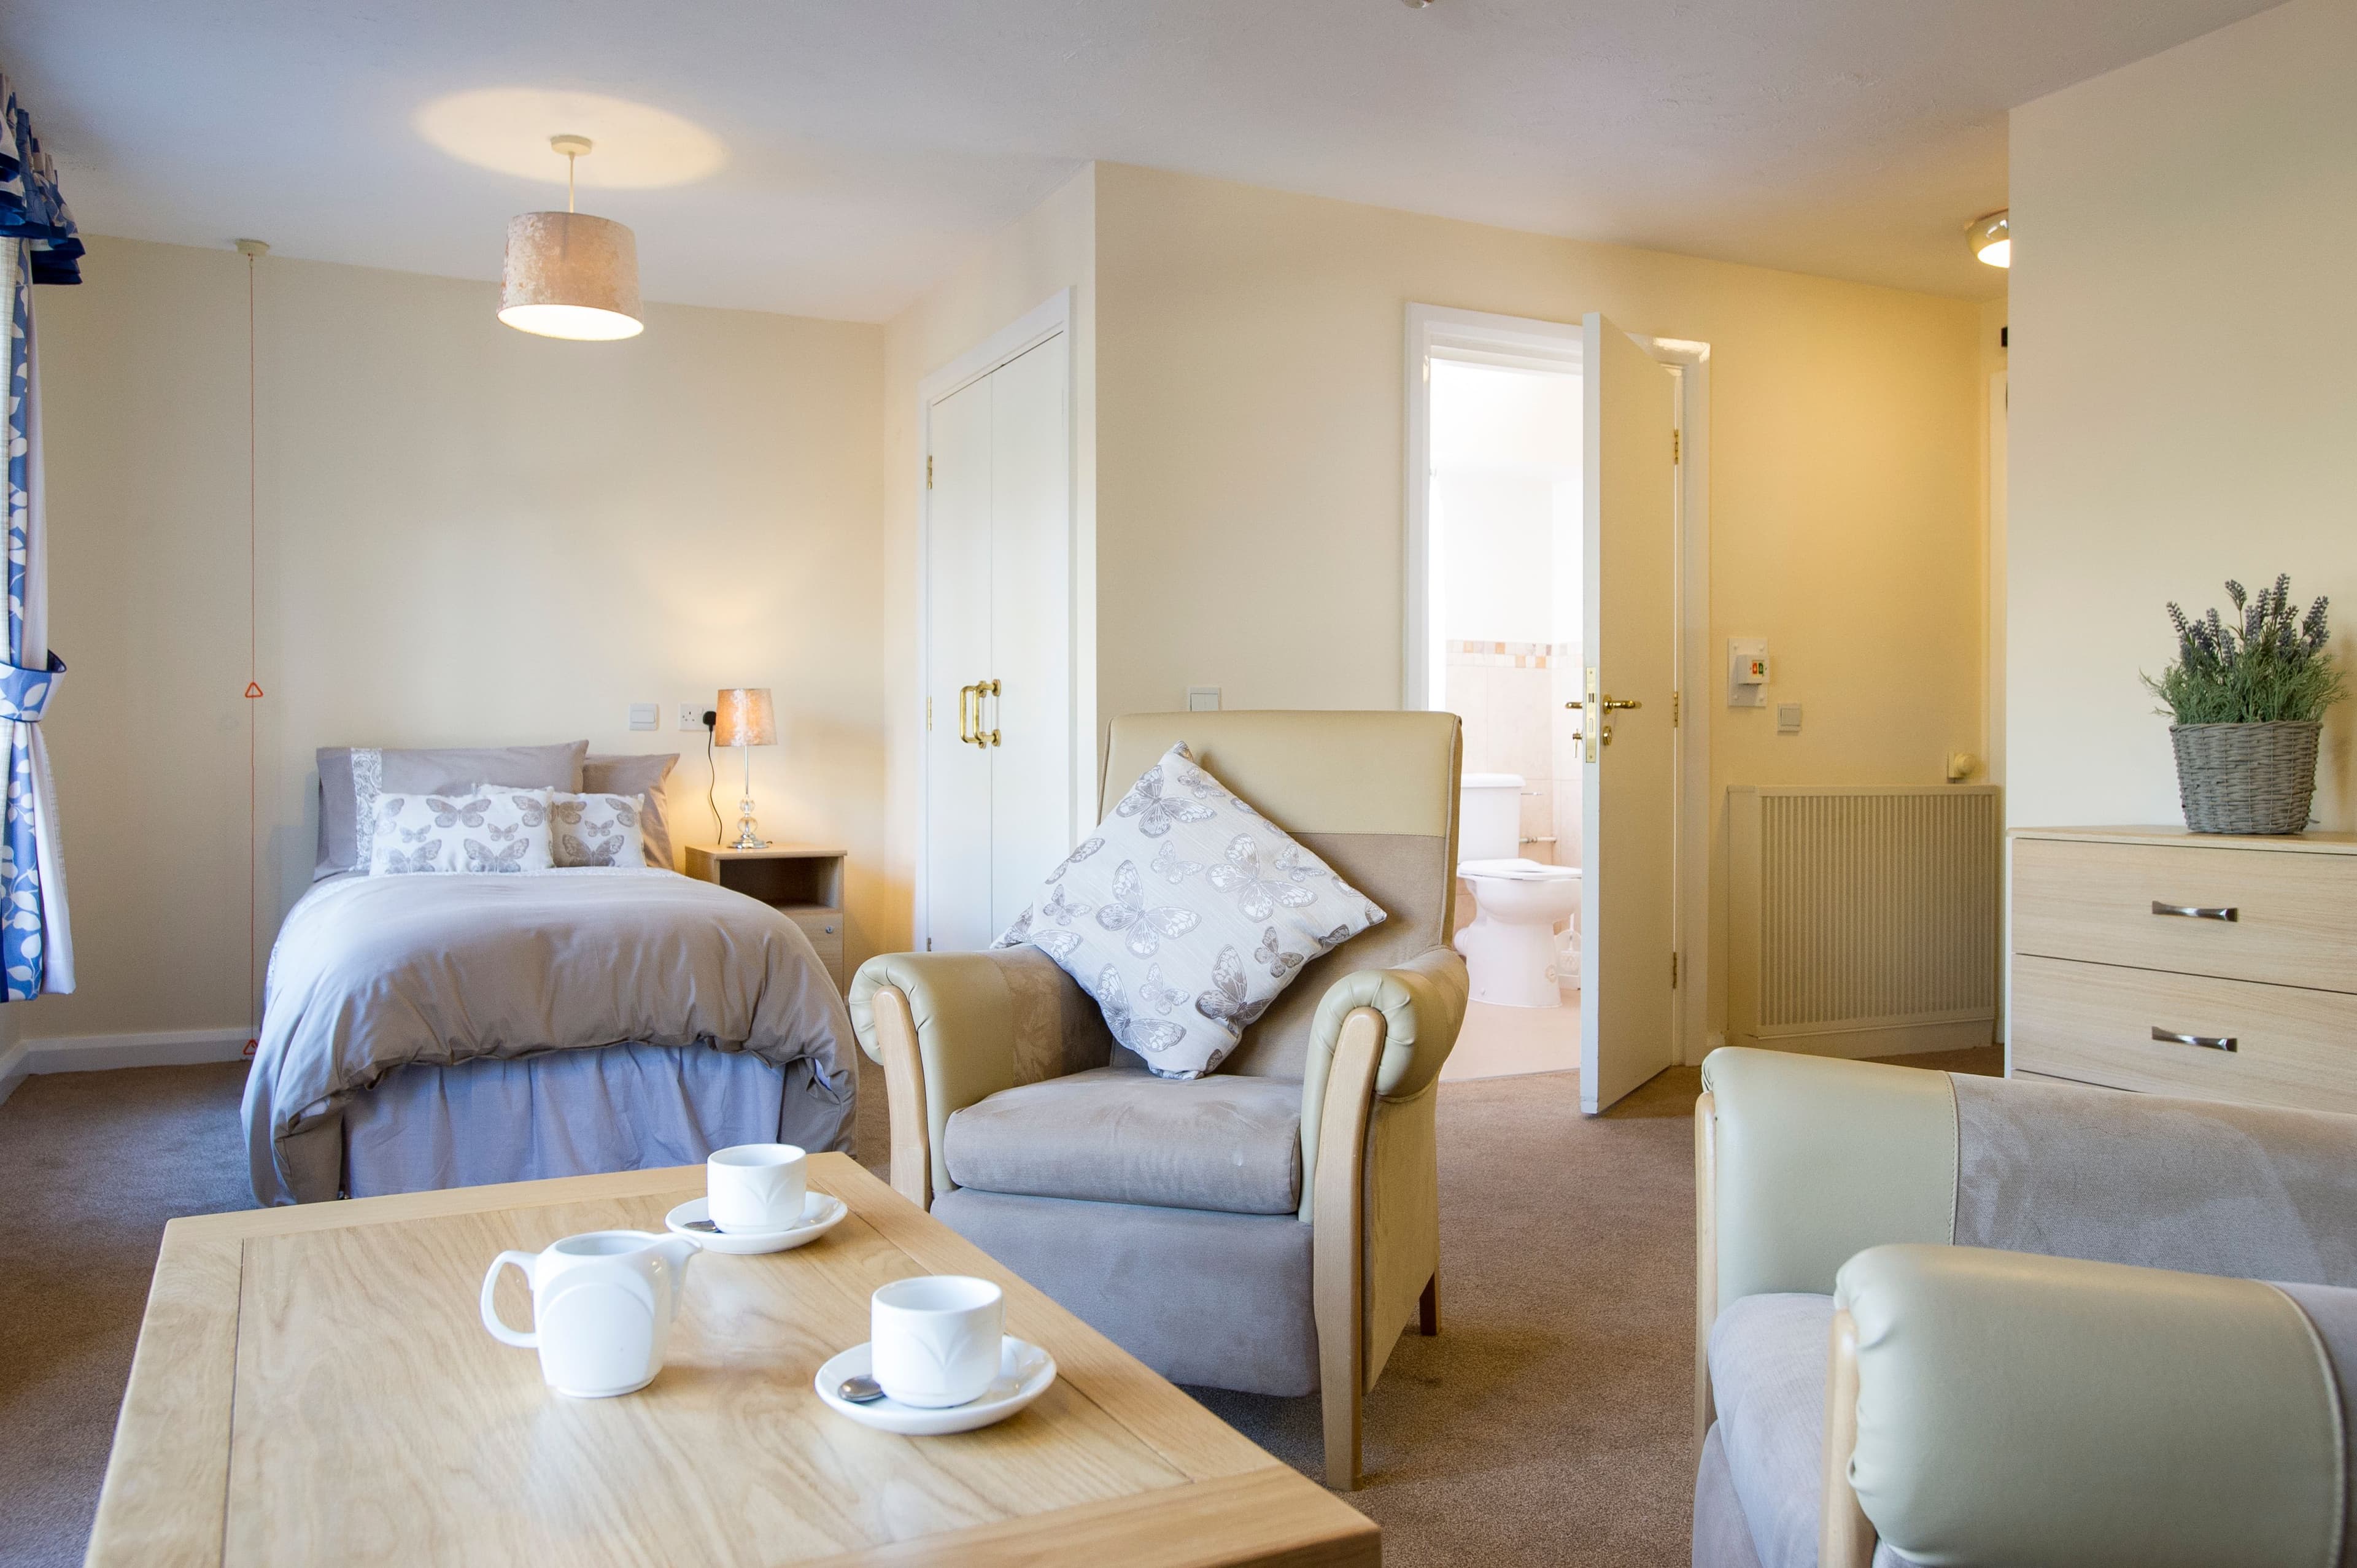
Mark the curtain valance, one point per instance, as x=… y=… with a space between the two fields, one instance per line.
x=31 y=208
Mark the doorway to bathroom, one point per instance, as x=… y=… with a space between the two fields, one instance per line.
x=1548 y=566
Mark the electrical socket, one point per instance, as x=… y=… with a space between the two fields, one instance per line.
x=691 y=716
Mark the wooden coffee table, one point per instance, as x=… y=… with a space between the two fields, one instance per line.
x=314 y=1384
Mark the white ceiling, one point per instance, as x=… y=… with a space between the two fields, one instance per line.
x=865 y=144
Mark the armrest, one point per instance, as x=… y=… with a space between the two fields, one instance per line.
x=2031 y=1411
x=1813 y=1159
x=943 y=1027
x=1423 y=1005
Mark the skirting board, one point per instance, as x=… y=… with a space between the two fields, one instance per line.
x=1889 y=1040
x=96 y=1053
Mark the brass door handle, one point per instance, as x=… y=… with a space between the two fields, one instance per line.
x=1609 y=703
x=965 y=721
x=981 y=736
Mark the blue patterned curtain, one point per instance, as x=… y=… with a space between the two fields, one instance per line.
x=36 y=235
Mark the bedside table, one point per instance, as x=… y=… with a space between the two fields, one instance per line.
x=802 y=882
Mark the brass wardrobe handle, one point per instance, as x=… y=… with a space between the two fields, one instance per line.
x=981 y=736
x=965 y=722
x=2207 y=1042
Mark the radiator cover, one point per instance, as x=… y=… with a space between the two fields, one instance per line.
x=1863 y=922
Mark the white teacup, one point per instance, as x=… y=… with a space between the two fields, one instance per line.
x=934 y=1339
x=756 y=1188
x=602 y=1307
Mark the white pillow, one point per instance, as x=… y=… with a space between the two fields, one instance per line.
x=1186 y=913
x=482 y=829
x=598 y=829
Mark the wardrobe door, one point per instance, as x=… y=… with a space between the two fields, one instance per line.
x=958 y=906
x=1031 y=815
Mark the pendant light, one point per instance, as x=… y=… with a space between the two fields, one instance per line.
x=569 y=274
x=1991 y=239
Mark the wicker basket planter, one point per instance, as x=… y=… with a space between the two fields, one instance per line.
x=2247 y=778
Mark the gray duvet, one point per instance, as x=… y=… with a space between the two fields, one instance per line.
x=371 y=973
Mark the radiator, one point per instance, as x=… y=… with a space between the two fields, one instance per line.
x=1862 y=922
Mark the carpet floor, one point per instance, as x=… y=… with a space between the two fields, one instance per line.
x=1549 y=1422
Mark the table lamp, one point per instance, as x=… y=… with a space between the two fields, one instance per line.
x=746 y=720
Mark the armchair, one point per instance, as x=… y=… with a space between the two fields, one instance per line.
x=1273 y=1226
x=1960 y=1320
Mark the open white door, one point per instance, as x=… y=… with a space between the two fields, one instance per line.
x=1628 y=751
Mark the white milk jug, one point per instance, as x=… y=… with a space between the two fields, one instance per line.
x=602 y=1307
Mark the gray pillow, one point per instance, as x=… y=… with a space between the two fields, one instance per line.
x=424 y=771
x=637 y=774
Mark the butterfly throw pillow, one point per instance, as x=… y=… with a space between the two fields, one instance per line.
x=483 y=829
x=1185 y=914
x=598 y=829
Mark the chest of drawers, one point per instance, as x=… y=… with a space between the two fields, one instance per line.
x=2192 y=964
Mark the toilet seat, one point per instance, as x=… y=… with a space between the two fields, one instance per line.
x=1518 y=870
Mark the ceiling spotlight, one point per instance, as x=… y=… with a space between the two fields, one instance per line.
x=1416 y=4
x=1990 y=239
x=569 y=274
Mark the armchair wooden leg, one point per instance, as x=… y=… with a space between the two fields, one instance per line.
x=1427 y=1307
x=1846 y=1538
x=1337 y=1210
x=904 y=1097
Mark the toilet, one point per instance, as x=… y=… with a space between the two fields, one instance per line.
x=1514 y=956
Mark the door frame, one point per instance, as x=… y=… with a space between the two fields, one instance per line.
x=1043 y=323
x=1529 y=340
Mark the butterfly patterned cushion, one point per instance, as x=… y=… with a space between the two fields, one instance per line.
x=598 y=829
x=1185 y=915
x=482 y=829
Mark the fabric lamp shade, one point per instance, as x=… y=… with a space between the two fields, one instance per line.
x=747 y=717
x=570 y=274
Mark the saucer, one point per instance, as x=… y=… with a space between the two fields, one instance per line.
x=1024 y=1371
x=821 y=1214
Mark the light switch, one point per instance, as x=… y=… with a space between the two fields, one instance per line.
x=1203 y=699
x=642 y=714
x=1788 y=718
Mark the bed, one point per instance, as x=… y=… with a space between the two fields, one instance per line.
x=452 y=1030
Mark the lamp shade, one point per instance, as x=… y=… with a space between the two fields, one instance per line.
x=745 y=717
x=569 y=274
x=1991 y=238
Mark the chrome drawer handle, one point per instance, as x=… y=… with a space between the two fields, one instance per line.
x=2196 y=912
x=2207 y=1042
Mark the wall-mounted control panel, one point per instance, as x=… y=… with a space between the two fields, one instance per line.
x=1203 y=699
x=1747 y=672
x=642 y=715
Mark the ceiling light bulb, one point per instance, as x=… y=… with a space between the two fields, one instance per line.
x=570 y=274
x=1991 y=239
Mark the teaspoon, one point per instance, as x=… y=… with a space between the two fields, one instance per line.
x=860 y=1390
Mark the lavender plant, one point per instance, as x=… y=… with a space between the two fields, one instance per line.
x=2268 y=669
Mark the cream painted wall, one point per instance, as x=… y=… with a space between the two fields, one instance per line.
x=1052 y=248
x=1249 y=456
x=467 y=535
x=2183 y=402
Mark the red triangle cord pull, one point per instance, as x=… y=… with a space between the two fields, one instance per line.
x=254 y=688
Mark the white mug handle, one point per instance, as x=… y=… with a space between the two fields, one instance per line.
x=501 y=1331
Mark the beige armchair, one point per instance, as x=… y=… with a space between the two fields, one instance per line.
x=1271 y=1228
x=1970 y=1321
